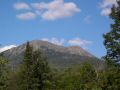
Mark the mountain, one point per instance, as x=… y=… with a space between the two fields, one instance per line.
x=58 y=56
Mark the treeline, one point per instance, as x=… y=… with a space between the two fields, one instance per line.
x=34 y=73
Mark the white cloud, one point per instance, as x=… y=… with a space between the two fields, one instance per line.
x=72 y=42
x=55 y=41
x=53 y=10
x=59 y=9
x=21 y=5
x=26 y=16
x=79 y=42
x=108 y=3
x=39 y=6
x=106 y=11
x=2 y=49
x=106 y=6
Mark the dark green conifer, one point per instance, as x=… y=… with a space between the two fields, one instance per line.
x=25 y=71
x=111 y=76
x=3 y=73
x=112 y=38
x=41 y=72
x=34 y=72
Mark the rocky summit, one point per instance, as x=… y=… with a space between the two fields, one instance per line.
x=58 y=56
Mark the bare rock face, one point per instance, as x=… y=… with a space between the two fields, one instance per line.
x=59 y=56
x=79 y=51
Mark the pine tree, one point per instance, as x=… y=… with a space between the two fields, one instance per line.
x=34 y=72
x=88 y=76
x=109 y=79
x=3 y=73
x=79 y=78
x=28 y=55
x=41 y=72
x=25 y=69
x=112 y=38
x=111 y=76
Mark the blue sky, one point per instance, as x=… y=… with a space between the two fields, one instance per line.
x=63 y=22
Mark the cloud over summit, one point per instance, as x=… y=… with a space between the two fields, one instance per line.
x=2 y=49
x=71 y=42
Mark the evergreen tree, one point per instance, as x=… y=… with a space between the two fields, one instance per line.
x=26 y=70
x=88 y=77
x=81 y=78
x=3 y=73
x=34 y=72
x=110 y=77
x=28 y=55
x=112 y=38
x=41 y=72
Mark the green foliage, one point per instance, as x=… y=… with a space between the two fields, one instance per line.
x=88 y=76
x=112 y=38
x=41 y=72
x=25 y=73
x=3 y=73
x=33 y=74
x=110 y=77
x=82 y=78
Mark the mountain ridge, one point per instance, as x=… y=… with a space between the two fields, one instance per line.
x=60 y=56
